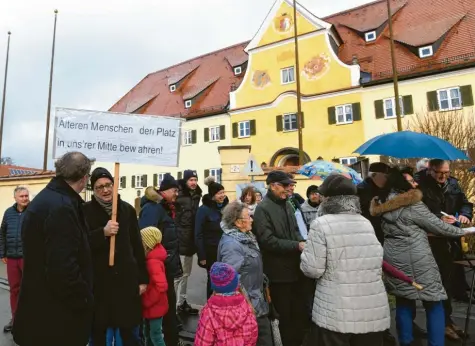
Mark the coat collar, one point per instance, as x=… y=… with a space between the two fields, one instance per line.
x=402 y=200
x=61 y=186
x=340 y=205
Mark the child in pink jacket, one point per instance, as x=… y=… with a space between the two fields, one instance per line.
x=227 y=318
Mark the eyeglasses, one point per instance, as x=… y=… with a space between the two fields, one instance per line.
x=104 y=187
x=442 y=173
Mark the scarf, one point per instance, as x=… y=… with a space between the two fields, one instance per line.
x=247 y=238
x=170 y=206
x=107 y=206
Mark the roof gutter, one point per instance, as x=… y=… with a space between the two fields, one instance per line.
x=420 y=74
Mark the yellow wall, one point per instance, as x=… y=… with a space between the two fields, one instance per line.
x=418 y=88
x=7 y=186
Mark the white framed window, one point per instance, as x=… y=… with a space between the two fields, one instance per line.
x=188 y=103
x=160 y=177
x=348 y=160
x=214 y=134
x=390 y=107
x=287 y=75
x=237 y=70
x=187 y=138
x=426 y=51
x=172 y=87
x=370 y=36
x=344 y=114
x=289 y=122
x=244 y=129
x=215 y=172
x=139 y=182
x=449 y=99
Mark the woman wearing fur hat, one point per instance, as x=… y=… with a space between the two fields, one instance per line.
x=208 y=230
x=117 y=289
x=344 y=255
x=405 y=223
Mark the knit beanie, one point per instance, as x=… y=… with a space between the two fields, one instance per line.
x=151 y=237
x=337 y=185
x=224 y=278
x=188 y=174
x=98 y=173
x=168 y=182
x=311 y=189
x=213 y=186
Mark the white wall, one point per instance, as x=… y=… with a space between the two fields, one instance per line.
x=200 y=157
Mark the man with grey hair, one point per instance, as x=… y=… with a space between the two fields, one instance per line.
x=56 y=303
x=11 y=249
x=422 y=164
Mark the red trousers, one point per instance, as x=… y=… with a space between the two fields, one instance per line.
x=15 y=273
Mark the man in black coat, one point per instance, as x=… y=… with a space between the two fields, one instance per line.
x=159 y=210
x=442 y=194
x=188 y=201
x=281 y=245
x=56 y=301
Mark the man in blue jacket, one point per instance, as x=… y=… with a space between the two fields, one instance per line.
x=158 y=210
x=11 y=247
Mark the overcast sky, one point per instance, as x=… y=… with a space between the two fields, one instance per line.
x=104 y=47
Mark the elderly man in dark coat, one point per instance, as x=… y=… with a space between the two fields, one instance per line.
x=117 y=289
x=159 y=210
x=56 y=301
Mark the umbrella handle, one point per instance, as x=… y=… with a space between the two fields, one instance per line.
x=417 y=286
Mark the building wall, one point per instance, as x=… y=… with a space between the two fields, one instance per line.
x=200 y=156
x=418 y=89
x=7 y=186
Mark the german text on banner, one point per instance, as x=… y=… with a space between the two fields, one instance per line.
x=118 y=137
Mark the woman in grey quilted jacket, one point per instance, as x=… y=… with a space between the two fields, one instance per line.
x=406 y=222
x=342 y=252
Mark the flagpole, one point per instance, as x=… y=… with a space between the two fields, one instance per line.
x=4 y=94
x=45 y=158
x=395 y=76
x=297 y=81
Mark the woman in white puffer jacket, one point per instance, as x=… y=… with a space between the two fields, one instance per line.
x=344 y=255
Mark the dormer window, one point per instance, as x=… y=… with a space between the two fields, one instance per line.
x=370 y=36
x=172 y=87
x=188 y=103
x=237 y=70
x=425 y=52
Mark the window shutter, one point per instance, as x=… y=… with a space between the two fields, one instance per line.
x=379 y=109
x=222 y=132
x=467 y=95
x=206 y=173
x=144 y=180
x=331 y=115
x=155 y=180
x=193 y=136
x=356 y=111
x=133 y=181
x=279 y=124
x=220 y=175
x=252 y=126
x=206 y=134
x=235 y=130
x=180 y=175
x=432 y=101
x=123 y=182
x=303 y=121
x=407 y=105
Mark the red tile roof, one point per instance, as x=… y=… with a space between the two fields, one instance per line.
x=415 y=23
x=419 y=22
x=212 y=76
x=18 y=172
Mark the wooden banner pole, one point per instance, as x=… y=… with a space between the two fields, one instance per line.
x=115 y=200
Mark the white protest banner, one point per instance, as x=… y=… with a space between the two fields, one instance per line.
x=118 y=137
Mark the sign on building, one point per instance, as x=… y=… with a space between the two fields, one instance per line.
x=118 y=137
x=252 y=167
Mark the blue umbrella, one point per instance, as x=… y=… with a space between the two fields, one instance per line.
x=320 y=170
x=408 y=145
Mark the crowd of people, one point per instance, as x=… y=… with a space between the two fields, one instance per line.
x=280 y=268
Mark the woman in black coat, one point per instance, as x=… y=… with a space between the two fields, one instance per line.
x=117 y=289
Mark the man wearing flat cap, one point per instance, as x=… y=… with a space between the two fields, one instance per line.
x=281 y=244
x=159 y=210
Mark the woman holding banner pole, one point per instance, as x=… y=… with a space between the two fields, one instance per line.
x=117 y=288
